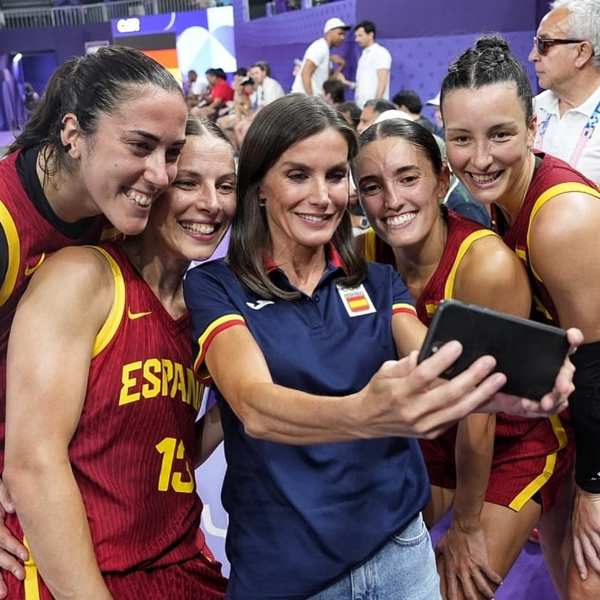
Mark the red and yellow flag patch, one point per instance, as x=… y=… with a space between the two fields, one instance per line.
x=356 y=301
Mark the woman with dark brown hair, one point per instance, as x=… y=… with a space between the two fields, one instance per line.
x=302 y=340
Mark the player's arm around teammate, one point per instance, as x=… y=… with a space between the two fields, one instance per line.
x=62 y=311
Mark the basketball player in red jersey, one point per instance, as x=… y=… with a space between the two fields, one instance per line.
x=101 y=403
x=104 y=139
x=549 y=214
x=496 y=498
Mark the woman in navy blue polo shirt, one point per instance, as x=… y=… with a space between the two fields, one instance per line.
x=301 y=339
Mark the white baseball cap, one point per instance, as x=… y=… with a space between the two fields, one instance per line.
x=335 y=23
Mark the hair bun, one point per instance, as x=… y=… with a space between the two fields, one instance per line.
x=492 y=42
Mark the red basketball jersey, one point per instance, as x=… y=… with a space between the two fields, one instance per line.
x=516 y=439
x=462 y=233
x=30 y=238
x=551 y=178
x=131 y=454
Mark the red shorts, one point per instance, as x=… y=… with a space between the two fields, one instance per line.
x=195 y=579
x=531 y=459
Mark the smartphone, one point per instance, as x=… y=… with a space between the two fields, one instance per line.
x=530 y=354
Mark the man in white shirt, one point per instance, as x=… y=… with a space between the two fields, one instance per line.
x=374 y=65
x=566 y=56
x=315 y=64
x=267 y=88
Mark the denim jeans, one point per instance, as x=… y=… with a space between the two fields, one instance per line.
x=403 y=569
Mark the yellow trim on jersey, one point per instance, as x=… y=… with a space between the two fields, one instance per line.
x=369 y=245
x=30 y=583
x=110 y=326
x=14 y=254
x=552 y=192
x=536 y=485
x=462 y=250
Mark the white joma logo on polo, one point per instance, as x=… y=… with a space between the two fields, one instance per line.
x=259 y=304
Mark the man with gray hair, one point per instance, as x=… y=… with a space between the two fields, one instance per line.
x=566 y=56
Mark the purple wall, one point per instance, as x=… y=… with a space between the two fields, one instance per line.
x=282 y=38
x=65 y=42
x=422 y=37
x=409 y=19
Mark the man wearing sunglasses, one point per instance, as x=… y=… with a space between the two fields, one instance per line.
x=566 y=56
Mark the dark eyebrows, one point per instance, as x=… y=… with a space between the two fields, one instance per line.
x=507 y=125
x=398 y=171
x=296 y=165
x=154 y=138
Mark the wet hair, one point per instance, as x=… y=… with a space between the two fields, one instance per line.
x=368 y=26
x=583 y=22
x=201 y=127
x=277 y=127
x=489 y=61
x=410 y=99
x=352 y=109
x=335 y=89
x=412 y=132
x=88 y=86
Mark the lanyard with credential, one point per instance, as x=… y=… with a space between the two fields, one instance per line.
x=584 y=138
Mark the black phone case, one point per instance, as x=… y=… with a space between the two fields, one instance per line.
x=530 y=354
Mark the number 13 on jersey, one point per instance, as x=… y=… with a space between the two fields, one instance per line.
x=172 y=449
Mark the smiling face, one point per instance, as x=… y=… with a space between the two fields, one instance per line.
x=191 y=217
x=306 y=192
x=132 y=156
x=488 y=141
x=399 y=190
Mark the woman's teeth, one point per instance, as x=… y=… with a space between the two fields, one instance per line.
x=401 y=219
x=201 y=228
x=142 y=200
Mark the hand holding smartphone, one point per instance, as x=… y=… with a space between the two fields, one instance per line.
x=530 y=354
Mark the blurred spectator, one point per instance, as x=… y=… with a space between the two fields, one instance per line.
x=410 y=102
x=220 y=93
x=30 y=98
x=267 y=88
x=437 y=115
x=350 y=112
x=374 y=65
x=196 y=89
x=371 y=110
x=333 y=92
x=315 y=65
x=244 y=89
